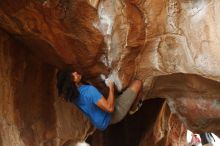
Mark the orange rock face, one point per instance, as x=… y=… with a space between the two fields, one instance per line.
x=30 y=111
x=171 y=45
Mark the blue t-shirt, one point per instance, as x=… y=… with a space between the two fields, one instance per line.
x=87 y=100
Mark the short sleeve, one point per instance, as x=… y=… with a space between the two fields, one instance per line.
x=95 y=94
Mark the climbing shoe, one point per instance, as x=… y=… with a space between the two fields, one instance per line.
x=138 y=106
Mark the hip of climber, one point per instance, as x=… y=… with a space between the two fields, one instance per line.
x=101 y=111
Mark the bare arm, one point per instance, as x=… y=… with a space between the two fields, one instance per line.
x=108 y=104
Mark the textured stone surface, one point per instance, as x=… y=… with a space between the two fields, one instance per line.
x=167 y=130
x=30 y=111
x=171 y=45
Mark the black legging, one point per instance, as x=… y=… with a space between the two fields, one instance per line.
x=206 y=138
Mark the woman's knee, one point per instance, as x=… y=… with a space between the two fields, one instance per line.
x=136 y=86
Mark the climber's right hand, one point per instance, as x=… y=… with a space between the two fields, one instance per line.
x=109 y=83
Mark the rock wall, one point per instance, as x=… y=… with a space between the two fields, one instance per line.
x=31 y=113
x=166 y=131
x=171 y=45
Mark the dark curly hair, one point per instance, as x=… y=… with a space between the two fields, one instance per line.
x=66 y=86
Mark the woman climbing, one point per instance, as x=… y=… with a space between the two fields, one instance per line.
x=101 y=111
